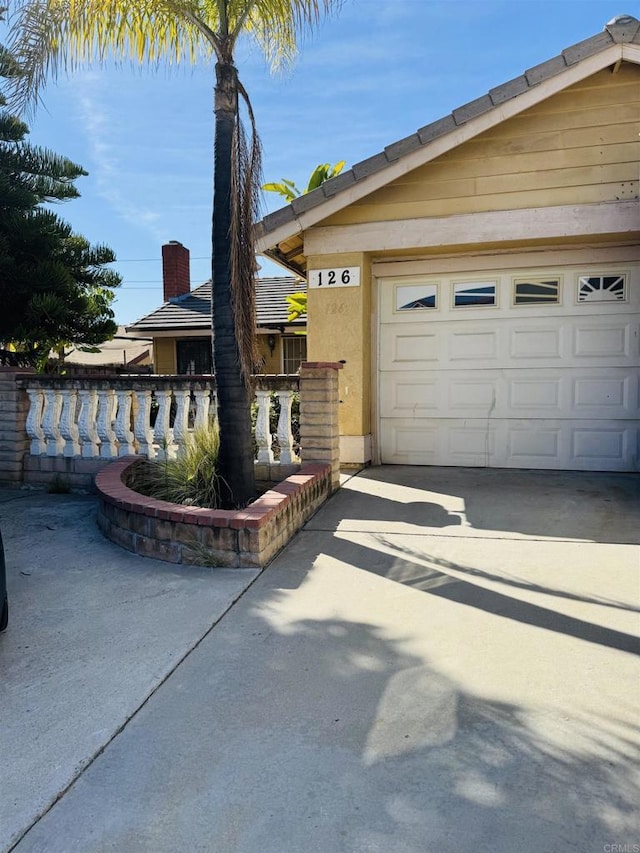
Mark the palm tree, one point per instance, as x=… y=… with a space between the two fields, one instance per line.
x=47 y=36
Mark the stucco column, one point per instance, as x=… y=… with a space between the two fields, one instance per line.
x=14 y=441
x=319 y=415
x=339 y=322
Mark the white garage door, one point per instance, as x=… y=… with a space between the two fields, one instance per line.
x=518 y=369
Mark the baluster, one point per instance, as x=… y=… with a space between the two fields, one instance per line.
x=106 y=415
x=68 y=426
x=87 y=431
x=123 y=430
x=163 y=434
x=203 y=402
x=142 y=425
x=284 y=433
x=181 y=422
x=51 y=422
x=263 y=433
x=213 y=413
x=34 y=421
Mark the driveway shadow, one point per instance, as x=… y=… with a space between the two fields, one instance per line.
x=596 y=507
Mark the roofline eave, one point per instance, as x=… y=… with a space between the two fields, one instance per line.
x=459 y=133
x=275 y=255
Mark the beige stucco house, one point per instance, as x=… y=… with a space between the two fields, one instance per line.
x=480 y=279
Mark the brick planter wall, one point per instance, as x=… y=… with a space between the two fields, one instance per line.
x=14 y=442
x=180 y=534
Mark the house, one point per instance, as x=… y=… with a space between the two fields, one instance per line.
x=122 y=354
x=480 y=279
x=181 y=328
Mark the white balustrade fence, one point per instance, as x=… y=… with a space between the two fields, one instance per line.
x=148 y=416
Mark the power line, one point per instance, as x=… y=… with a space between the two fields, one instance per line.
x=148 y=260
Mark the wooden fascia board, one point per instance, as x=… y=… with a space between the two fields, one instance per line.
x=526 y=224
x=205 y=331
x=631 y=53
x=470 y=129
x=178 y=332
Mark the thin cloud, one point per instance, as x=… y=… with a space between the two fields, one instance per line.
x=109 y=164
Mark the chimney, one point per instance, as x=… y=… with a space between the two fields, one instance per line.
x=176 y=279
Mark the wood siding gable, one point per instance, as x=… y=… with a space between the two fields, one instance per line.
x=580 y=146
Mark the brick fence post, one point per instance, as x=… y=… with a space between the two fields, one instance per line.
x=14 y=441
x=319 y=427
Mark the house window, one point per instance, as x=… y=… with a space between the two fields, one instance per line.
x=471 y=293
x=536 y=291
x=601 y=288
x=193 y=356
x=294 y=352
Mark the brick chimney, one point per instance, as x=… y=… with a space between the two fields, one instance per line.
x=176 y=278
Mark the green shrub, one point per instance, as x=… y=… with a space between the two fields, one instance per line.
x=192 y=478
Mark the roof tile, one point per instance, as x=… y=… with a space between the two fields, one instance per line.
x=307 y=201
x=402 y=146
x=370 y=166
x=509 y=90
x=545 y=70
x=472 y=109
x=194 y=310
x=339 y=183
x=279 y=217
x=436 y=128
x=586 y=48
x=624 y=28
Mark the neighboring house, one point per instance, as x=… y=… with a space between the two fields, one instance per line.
x=181 y=327
x=480 y=279
x=122 y=354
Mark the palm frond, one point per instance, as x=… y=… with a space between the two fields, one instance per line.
x=52 y=36
x=278 y=25
x=246 y=176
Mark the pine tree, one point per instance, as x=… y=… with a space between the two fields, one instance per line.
x=54 y=289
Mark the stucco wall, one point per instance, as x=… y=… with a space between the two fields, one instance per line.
x=164 y=350
x=339 y=329
x=164 y=355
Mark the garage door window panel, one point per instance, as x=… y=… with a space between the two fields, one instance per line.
x=475 y=293
x=417 y=297
x=602 y=288
x=536 y=291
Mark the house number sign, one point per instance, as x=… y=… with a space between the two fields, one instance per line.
x=336 y=277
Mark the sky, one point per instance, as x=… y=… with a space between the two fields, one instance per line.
x=368 y=76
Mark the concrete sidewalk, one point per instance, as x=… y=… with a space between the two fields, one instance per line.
x=442 y=660
x=93 y=631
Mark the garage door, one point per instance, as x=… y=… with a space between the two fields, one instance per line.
x=518 y=369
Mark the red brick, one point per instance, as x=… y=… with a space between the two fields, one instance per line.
x=190 y=515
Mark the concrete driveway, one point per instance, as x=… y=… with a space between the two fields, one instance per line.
x=442 y=660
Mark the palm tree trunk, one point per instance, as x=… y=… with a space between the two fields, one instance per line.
x=236 y=464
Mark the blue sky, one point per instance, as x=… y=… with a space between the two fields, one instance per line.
x=371 y=75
